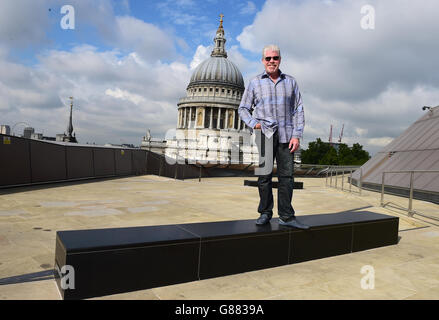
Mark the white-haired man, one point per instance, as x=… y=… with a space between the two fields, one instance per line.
x=272 y=103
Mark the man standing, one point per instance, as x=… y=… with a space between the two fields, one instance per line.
x=277 y=108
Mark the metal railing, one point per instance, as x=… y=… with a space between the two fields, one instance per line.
x=331 y=171
x=335 y=170
x=410 y=210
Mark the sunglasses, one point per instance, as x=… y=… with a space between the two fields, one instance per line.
x=275 y=58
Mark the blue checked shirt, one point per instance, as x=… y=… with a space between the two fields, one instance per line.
x=275 y=106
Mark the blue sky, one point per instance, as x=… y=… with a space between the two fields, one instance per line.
x=128 y=62
x=192 y=21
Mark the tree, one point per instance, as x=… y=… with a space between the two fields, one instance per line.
x=315 y=152
x=359 y=154
x=330 y=157
x=320 y=152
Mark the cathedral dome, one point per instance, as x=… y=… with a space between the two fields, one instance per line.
x=214 y=92
x=217 y=70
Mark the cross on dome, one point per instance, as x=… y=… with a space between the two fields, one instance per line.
x=219 y=50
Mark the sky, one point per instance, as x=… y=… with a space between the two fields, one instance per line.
x=368 y=65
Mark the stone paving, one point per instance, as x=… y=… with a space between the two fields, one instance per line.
x=30 y=217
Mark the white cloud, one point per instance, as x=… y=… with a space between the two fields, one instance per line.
x=249 y=8
x=125 y=95
x=27 y=22
x=370 y=122
x=374 y=81
x=176 y=12
x=380 y=142
x=119 y=92
x=23 y=22
x=361 y=131
x=327 y=40
x=201 y=54
x=146 y=39
x=116 y=97
x=247 y=67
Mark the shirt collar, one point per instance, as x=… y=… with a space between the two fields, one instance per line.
x=265 y=74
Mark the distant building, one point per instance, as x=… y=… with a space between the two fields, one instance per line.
x=123 y=145
x=298 y=155
x=70 y=136
x=27 y=132
x=153 y=144
x=60 y=137
x=5 y=129
x=36 y=136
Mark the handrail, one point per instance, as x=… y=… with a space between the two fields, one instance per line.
x=410 y=210
x=342 y=169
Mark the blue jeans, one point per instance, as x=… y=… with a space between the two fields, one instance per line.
x=285 y=171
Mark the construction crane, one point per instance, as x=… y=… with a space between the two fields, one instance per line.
x=330 y=134
x=341 y=134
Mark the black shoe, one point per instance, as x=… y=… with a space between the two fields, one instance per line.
x=263 y=219
x=293 y=223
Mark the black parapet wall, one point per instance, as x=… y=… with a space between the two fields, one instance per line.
x=15 y=166
x=123 y=162
x=27 y=161
x=79 y=162
x=117 y=260
x=163 y=166
x=153 y=163
x=139 y=162
x=104 y=162
x=48 y=161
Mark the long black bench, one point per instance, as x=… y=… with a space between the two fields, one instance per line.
x=254 y=183
x=116 y=260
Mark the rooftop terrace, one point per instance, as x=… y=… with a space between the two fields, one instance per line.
x=30 y=217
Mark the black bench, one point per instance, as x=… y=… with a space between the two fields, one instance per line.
x=254 y=183
x=117 y=260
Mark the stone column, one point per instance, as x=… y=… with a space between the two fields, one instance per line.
x=184 y=118
x=181 y=117
x=190 y=117
x=178 y=118
x=196 y=117
x=211 y=118
x=219 y=118
x=234 y=119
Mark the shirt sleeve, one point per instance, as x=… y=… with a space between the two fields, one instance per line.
x=246 y=105
x=298 y=114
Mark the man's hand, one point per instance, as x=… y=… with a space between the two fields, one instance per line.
x=257 y=126
x=294 y=144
